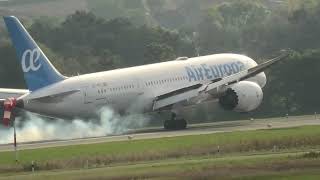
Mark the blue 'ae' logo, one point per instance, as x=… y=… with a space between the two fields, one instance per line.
x=30 y=60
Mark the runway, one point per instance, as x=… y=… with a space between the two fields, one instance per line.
x=151 y=133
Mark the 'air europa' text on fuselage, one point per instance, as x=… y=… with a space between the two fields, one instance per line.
x=207 y=72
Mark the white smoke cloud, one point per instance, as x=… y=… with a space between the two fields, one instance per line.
x=36 y=128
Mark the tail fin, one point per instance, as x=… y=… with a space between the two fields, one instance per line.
x=38 y=71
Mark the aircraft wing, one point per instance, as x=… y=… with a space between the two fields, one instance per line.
x=54 y=98
x=16 y=93
x=213 y=87
x=8 y=93
x=11 y=93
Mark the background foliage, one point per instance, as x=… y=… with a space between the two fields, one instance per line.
x=115 y=34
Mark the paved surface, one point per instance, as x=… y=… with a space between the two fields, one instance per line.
x=151 y=133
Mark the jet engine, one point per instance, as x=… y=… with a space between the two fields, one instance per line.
x=243 y=96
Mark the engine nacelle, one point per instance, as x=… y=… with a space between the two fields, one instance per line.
x=243 y=96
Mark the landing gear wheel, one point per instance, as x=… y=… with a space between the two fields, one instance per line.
x=167 y=124
x=182 y=124
x=174 y=123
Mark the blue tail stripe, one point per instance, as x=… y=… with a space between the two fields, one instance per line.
x=38 y=71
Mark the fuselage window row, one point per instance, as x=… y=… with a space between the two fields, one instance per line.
x=121 y=88
x=171 y=80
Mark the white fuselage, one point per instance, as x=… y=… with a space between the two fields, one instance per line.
x=132 y=90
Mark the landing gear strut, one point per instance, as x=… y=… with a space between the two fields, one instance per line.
x=175 y=123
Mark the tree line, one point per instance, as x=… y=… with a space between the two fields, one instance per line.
x=85 y=43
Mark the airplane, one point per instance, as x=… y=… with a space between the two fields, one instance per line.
x=233 y=80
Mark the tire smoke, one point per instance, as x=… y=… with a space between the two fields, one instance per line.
x=36 y=128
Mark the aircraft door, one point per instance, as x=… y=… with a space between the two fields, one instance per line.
x=139 y=87
x=142 y=99
x=88 y=94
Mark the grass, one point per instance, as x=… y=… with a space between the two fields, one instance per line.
x=259 y=154
x=22 y=2
x=269 y=166
x=133 y=151
x=305 y=175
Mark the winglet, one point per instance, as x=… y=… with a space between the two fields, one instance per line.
x=261 y=67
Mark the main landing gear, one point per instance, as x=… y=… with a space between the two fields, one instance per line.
x=175 y=123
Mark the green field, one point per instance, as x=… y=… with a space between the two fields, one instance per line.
x=22 y=2
x=292 y=165
x=245 y=151
x=175 y=147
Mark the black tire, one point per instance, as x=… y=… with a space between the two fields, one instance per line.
x=167 y=124
x=178 y=124
x=182 y=124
